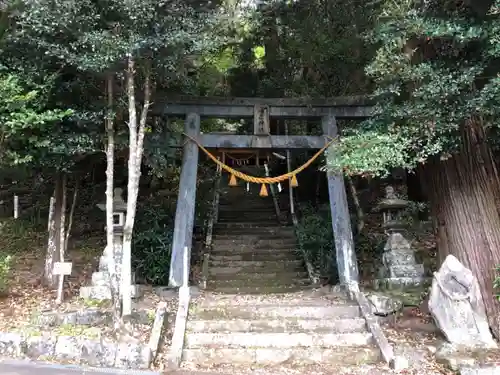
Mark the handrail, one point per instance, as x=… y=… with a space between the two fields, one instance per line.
x=273 y=194
x=313 y=275
x=214 y=211
x=212 y=219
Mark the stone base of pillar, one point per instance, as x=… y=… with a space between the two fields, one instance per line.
x=100 y=286
x=402 y=283
x=103 y=292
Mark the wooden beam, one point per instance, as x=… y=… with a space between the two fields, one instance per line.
x=235 y=141
x=241 y=111
x=184 y=214
x=350 y=101
x=342 y=107
x=341 y=220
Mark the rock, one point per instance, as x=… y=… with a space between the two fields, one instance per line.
x=98 y=353
x=12 y=344
x=399 y=363
x=456 y=305
x=68 y=347
x=47 y=319
x=69 y=318
x=89 y=317
x=133 y=355
x=38 y=347
x=384 y=305
x=488 y=370
x=453 y=356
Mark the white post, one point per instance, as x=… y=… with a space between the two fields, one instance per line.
x=184 y=289
x=185 y=270
x=60 y=286
x=16 y=207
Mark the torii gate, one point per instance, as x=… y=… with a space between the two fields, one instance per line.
x=329 y=110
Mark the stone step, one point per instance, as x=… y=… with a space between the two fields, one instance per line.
x=256 y=266
x=250 y=281
x=249 y=222
x=277 y=311
x=241 y=217
x=274 y=356
x=247 y=209
x=320 y=297
x=260 y=257
x=235 y=269
x=258 y=290
x=282 y=231
x=277 y=243
x=249 y=249
x=276 y=340
x=231 y=225
x=261 y=276
x=246 y=237
x=278 y=325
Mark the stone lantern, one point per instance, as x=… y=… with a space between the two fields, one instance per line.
x=399 y=266
x=100 y=289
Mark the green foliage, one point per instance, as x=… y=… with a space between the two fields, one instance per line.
x=304 y=48
x=25 y=121
x=5 y=266
x=435 y=68
x=496 y=283
x=315 y=239
x=152 y=242
x=367 y=152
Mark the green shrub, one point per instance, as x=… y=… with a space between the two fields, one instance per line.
x=315 y=239
x=152 y=242
x=496 y=283
x=5 y=267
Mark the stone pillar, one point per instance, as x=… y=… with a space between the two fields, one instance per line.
x=100 y=287
x=399 y=268
x=184 y=214
x=341 y=221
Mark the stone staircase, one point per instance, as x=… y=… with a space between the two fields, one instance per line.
x=260 y=307
x=301 y=328
x=252 y=252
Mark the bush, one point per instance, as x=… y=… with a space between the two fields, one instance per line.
x=152 y=242
x=315 y=239
x=5 y=265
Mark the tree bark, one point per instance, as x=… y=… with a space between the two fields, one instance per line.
x=54 y=232
x=62 y=226
x=137 y=131
x=71 y=216
x=114 y=285
x=462 y=196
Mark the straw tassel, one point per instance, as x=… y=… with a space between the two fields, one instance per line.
x=263 y=191
x=294 y=182
x=232 y=180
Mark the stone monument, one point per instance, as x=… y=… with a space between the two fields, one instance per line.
x=457 y=307
x=100 y=287
x=399 y=268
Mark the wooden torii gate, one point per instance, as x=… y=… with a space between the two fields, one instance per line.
x=328 y=110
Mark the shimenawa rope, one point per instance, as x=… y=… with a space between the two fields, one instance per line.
x=292 y=175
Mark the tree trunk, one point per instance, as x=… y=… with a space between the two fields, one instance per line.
x=54 y=232
x=137 y=131
x=62 y=226
x=462 y=195
x=114 y=285
x=71 y=216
